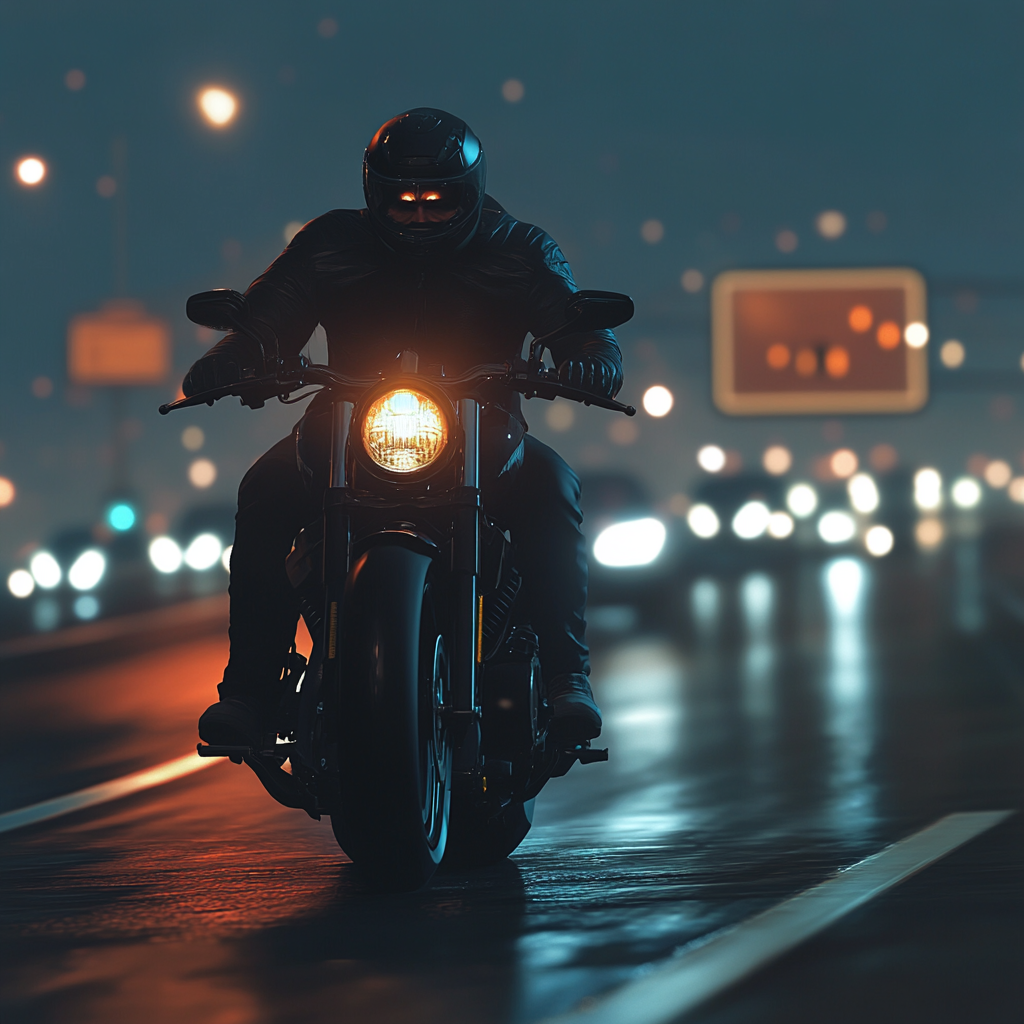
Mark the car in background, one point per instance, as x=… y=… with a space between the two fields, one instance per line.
x=738 y=521
x=633 y=551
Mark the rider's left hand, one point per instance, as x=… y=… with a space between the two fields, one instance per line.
x=591 y=373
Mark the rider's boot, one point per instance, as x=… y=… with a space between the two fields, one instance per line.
x=231 y=722
x=575 y=716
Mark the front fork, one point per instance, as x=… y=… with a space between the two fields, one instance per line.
x=467 y=618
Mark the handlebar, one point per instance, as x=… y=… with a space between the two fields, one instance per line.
x=255 y=391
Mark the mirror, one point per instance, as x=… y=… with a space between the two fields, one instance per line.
x=222 y=309
x=595 y=310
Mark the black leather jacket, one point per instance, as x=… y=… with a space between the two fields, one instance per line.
x=474 y=306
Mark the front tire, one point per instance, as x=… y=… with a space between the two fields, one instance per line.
x=394 y=751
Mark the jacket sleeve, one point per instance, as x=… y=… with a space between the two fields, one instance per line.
x=552 y=285
x=283 y=302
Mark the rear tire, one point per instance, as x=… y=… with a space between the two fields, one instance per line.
x=394 y=751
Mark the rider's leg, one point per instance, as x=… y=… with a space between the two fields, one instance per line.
x=540 y=504
x=273 y=504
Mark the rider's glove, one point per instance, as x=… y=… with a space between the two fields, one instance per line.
x=591 y=373
x=226 y=363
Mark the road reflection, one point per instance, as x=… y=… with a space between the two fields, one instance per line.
x=848 y=686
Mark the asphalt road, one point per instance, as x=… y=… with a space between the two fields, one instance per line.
x=783 y=725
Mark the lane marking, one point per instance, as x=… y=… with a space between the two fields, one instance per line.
x=106 y=791
x=697 y=974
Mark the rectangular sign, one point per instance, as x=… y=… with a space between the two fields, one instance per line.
x=120 y=345
x=819 y=341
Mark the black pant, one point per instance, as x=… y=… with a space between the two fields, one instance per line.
x=538 y=502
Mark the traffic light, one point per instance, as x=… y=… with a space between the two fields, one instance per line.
x=819 y=341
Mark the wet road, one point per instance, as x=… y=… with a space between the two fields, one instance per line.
x=783 y=725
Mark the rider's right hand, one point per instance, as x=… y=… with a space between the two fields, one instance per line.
x=227 y=363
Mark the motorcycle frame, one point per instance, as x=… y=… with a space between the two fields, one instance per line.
x=464 y=503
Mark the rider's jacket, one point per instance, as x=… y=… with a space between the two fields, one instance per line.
x=473 y=306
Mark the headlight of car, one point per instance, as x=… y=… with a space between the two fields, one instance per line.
x=404 y=430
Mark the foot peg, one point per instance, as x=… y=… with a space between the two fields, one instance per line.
x=239 y=754
x=582 y=753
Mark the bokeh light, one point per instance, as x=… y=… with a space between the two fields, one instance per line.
x=837 y=362
x=652 y=231
x=193 y=438
x=786 y=241
x=202 y=473
x=836 y=527
x=831 y=224
x=1016 y=489
x=658 y=401
x=512 y=90
x=878 y=541
x=291 y=229
x=87 y=569
x=777 y=459
x=45 y=570
x=863 y=493
x=888 y=334
x=204 y=552
x=777 y=356
x=966 y=492
x=806 y=364
x=225 y=558
x=121 y=517
x=928 y=533
x=843 y=463
x=860 y=319
x=998 y=474
x=86 y=607
x=802 y=500
x=560 y=416
x=30 y=170
x=952 y=354
x=75 y=80
x=692 y=281
x=916 y=334
x=711 y=458
x=751 y=521
x=928 y=489
x=165 y=555
x=218 y=106
x=703 y=521
x=780 y=525
x=8 y=492
x=632 y=543
x=20 y=583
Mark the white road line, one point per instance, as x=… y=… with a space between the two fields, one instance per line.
x=697 y=974
x=105 y=791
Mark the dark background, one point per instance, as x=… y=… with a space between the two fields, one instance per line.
x=725 y=121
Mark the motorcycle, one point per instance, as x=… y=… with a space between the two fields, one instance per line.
x=419 y=723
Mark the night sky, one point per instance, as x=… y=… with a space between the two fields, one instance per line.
x=726 y=122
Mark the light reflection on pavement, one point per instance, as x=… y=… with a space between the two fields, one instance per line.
x=793 y=723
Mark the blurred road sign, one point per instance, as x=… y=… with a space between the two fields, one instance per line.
x=819 y=341
x=119 y=345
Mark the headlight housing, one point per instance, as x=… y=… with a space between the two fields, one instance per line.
x=404 y=430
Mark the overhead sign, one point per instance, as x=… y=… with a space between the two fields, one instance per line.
x=819 y=341
x=119 y=345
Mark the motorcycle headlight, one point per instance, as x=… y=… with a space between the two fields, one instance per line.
x=404 y=430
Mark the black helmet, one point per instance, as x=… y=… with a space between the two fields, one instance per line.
x=425 y=154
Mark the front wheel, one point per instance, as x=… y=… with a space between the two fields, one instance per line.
x=394 y=751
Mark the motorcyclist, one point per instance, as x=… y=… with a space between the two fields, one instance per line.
x=435 y=265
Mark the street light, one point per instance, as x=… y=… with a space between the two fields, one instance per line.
x=218 y=106
x=30 y=171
